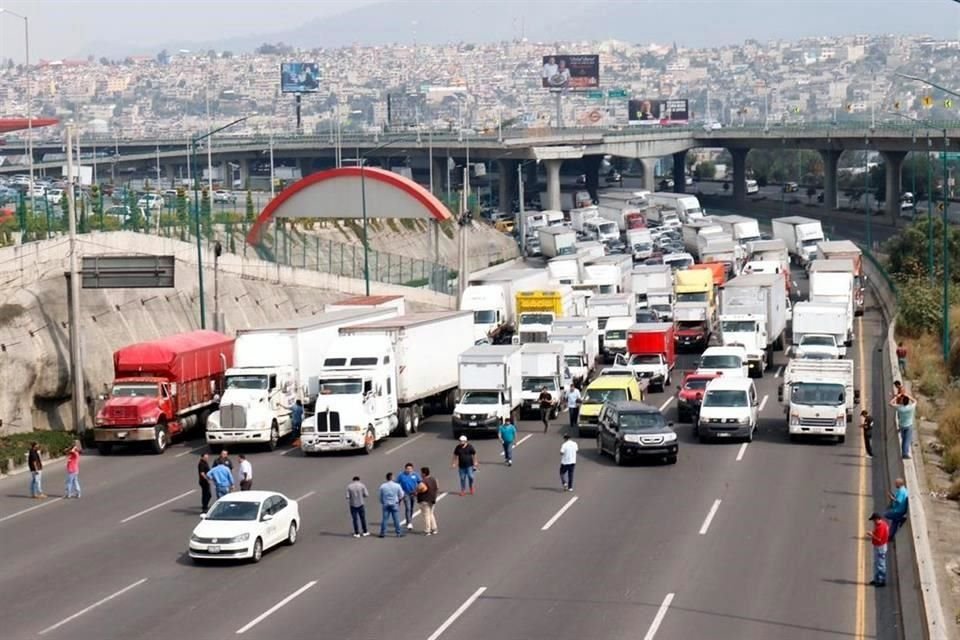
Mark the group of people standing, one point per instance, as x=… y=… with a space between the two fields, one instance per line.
x=411 y=489
x=221 y=475
x=35 y=464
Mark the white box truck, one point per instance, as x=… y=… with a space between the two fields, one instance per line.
x=490 y=388
x=397 y=303
x=621 y=273
x=691 y=233
x=567 y=269
x=818 y=397
x=274 y=366
x=382 y=377
x=728 y=252
x=647 y=278
x=580 y=350
x=580 y=215
x=639 y=244
x=591 y=249
x=618 y=213
x=744 y=230
x=834 y=287
x=542 y=366
x=492 y=297
x=843 y=262
x=708 y=236
x=753 y=313
x=686 y=206
x=800 y=234
x=820 y=329
x=557 y=241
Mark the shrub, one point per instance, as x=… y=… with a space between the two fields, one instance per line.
x=16 y=446
x=932 y=382
x=953 y=493
x=951 y=459
x=948 y=426
x=919 y=308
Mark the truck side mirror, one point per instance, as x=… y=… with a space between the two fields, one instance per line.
x=780 y=394
x=856 y=396
x=173 y=388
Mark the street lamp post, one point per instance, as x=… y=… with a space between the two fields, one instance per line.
x=26 y=47
x=929 y=191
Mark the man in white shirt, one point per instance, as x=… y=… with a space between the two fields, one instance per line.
x=568 y=462
x=573 y=401
x=246 y=474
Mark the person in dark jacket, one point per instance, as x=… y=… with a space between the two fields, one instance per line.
x=36 y=472
x=427 y=492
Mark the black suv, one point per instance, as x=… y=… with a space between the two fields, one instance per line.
x=629 y=430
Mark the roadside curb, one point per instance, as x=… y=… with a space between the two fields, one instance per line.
x=23 y=468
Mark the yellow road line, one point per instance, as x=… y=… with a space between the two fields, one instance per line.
x=861 y=620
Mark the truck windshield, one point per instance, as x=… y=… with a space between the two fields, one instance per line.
x=246 y=382
x=573 y=361
x=644 y=358
x=725 y=398
x=818 y=341
x=738 y=326
x=536 y=383
x=817 y=393
x=536 y=318
x=608 y=228
x=690 y=325
x=599 y=396
x=721 y=362
x=481 y=397
x=485 y=316
x=640 y=421
x=811 y=242
x=139 y=390
x=340 y=387
x=616 y=334
x=692 y=297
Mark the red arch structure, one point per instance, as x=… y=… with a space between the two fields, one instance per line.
x=8 y=125
x=336 y=193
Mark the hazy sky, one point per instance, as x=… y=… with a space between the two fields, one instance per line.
x=71 y=28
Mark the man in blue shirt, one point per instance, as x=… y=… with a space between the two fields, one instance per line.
x=296 y=420
x=906 y=410
x=390 y=496
x=222 y=479
x=507 y=435
x=896 y=513
x=409 y=480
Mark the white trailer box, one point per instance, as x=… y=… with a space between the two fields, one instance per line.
x=580 y=350
x=606 y=277
x=769 y=250
x=542 y=365
x=728 y=252
x=618 y=213
x=647 y=278
x=819 y=397
x=557 y=241
x=492 y=298
x=813 y=318
x=744 y=230
x=591 y=249
x=834 y=287
x=691 y=232
x=800 y=234
x=396 y=303
x=708 y=237
x=566 y=269
x=604 y=306
x=753 y=312
x=623 y=265
x=490 y=388
x=581 y=215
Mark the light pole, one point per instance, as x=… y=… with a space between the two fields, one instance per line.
x=26 y=47
x=196 y=211
x=929 y=190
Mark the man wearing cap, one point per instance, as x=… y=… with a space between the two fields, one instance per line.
x=465 y=460
x=879 y=538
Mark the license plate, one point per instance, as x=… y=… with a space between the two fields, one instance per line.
x=121 y=434
x=723 y=434
x=473 y=424
x=214 y=548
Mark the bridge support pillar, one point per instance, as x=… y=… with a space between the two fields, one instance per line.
x=170 y=175
x=591 y=168
x=553 y=184
x=439 y=177
x=306 y=166
x=831 y=159
x=244 y=173
x=894 y=162
x=739 y=176
x=680 y=172
x=649 y=174
x=507 y=177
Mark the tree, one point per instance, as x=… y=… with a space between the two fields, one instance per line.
x=705 y=170
x=251 y=212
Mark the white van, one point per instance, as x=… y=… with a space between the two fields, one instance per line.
x=729 y=409
x=730 y=361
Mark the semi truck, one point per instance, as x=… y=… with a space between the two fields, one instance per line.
x=162 y=389
x=831 y=254
x=383 y=377
x=542 y=367
x=490 y=388
x=818 y=397
x=557 y=241
x=491 y=298
x=274 y=366
x=580 y=351
x=536 y=311
x=821 y=320
x=753 y=313
x=743 y=230
x=834 y=287
x=800 y=234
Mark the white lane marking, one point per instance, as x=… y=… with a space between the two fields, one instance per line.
x=456 y=614
x=743 y=450
x=778 y=373
x=186 y=453
x=666 y=404
x=706 y=523
x=305 y=496
x=274 y=608
x=557 y=515
x=94 y=606
x=402 y=445
x=157 y=506
x=520 y=442
x=440 y=497
x=763 y=402
x=29 y=509
x=658 y=619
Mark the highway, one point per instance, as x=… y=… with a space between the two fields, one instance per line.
x=734 y=541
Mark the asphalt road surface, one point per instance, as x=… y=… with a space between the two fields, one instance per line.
x=739 y=541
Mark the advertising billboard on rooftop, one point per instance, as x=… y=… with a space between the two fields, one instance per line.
x=299 y=77
x=658 y=111
x=574 y=72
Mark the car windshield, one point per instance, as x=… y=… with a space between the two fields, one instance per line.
x=246 y=382
x=689 y=325
x=692 y=297
x=818 y=341
x=615 y=334
x=696 y=384
x=137 y=390
x=641 y=358
x=641 y=421
x=720 y=362
x=234 y=510
x=725 y=398
x=481 y=397
x=484 y=317
x=536 y=383
x=738 y=326
x=817 y=393
x=536 y=318
x=599 y=396
x=647 y=316
x=343 y=386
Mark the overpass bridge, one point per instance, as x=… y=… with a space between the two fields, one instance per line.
x=550 y=147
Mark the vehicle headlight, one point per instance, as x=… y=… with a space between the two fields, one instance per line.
x=243 y=537
x=670 y=437
x=150 y=420
x=458 y=416
x=842 y=420
x=194 y=538
x=794 y=420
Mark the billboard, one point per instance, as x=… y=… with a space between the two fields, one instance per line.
x=658 y=111
x=299 y=77
x=577 y=73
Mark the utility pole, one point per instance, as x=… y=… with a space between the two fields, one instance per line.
x=521 y=230
x=946 y=257
x=76 y=358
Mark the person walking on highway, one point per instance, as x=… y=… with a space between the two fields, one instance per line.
x=568 y=462
x=222 y=479
x=36 y=471
x=866 y=426
x=223 y=459
x=296 y=420
x=465 y=461
x=507 y=434
x=574 y=400
x=203 y=468
x=357 y=495
x=246 y=474
x=896 y=513
x=427 y=492
x=72 y=489
x=879 y=538
x=390 y=496
x=902 y=358
x=546 y=406
x=906 y=411
x=409 y=480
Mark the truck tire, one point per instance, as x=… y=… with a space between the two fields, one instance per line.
x=841 y=439
x=369 y=441
x=104 y=448
x=160 y=438
x=274 y=436
x=416 y=418
x=405 y=422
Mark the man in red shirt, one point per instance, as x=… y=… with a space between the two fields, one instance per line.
x=879 y=538
x=902 y=358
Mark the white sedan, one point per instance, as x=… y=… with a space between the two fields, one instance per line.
x=242 y=525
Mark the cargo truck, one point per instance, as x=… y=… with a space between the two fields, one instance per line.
x=821 y=319
x=619 y=214
x=765 y=250
x=693 y=326
x=686 y=206
x=639 y=243
x=646 y=278
x=834 y=287
x=612 y=272
x=843 y=255
x=557 y=241
x=383 y=377
x=566 y=269
x=726 y=252
x=743 y=230
x=615 y=336
x=397 y=303
x=692 y=230
x=542 y=367
x=580 y=215
x=590 y=249
x=819 y=397
x=580 y=351
x=274 y=366
x=536 y=311
x=753 y=313
x=490 y=389
x=651 y=353
x=800 y=234
x=162 y=389
x=492 y=299
x=569 y=199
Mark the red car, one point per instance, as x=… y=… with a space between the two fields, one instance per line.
x=690 y=394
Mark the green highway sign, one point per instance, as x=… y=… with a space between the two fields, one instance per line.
x=595 y=95
x=951 y=157
x=617 y=93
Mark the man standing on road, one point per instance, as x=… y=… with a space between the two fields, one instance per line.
x=390 y=496
x=222 y=479
x=409 y=480
x=879 y=538
x=902 y=358
x=465 y=461
x=36 y=470
x=223 y=459
x=574 y=400
x=546 y=406
x=507 y=434
x=203 y=468
x=72 y=489
x=568 y=462
x=246 y=474
x=896 y=513
x=866 y=426
x=427 y=492
x=296 y=420
x=906 y=411
x=356 y=498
